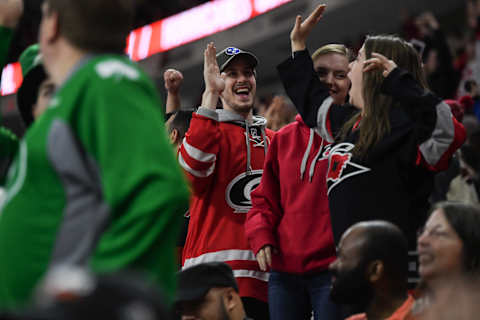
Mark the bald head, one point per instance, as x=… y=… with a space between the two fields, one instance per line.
x=384 y=241
x=372 y=257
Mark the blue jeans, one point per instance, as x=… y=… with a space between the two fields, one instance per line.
x=292 y=297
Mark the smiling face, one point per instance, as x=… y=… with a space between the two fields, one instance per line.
x=240 y=86
x=332 y=69
x=439 y=249
x=356 y=77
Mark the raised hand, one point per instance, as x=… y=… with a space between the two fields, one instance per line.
x=301 y=30
x=211 y=71
x=380 y=62
x=10 y=12
x=214 y=83
x=173 y=80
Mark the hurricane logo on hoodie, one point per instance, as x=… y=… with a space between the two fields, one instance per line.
x=238 y=190
x=340 y=166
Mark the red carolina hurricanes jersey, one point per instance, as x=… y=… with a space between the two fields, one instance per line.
x=224 y=165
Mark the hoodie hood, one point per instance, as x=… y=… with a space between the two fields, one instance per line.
x=256 y=121
x=229 y=116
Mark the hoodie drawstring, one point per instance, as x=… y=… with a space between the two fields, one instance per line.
x=312 y=165
x=265 y=141
x=303 y=167
x=247 y=140
x=305 y=156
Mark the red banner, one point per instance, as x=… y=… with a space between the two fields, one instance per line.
x=174 y=31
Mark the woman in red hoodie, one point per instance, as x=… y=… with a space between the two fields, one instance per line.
x=288 y=227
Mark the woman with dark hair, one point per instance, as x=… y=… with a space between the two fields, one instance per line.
x=448 y=251
x=449 y=243
x=386 y=142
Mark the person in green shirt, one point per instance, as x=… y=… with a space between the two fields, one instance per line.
x=95 y=182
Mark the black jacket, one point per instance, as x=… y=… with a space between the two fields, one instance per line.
x=394 y=180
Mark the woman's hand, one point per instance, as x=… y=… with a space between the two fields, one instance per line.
x=301 y=30
x=381 y=62
x=264 y=257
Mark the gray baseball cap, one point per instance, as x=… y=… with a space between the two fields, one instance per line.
x=225 y=56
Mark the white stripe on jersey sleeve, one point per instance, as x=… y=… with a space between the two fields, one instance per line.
x=198 y=154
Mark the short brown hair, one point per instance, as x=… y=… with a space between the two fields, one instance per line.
x=97 y=26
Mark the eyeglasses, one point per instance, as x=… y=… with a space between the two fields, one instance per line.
x=434 y=233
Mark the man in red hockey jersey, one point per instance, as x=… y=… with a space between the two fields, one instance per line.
x=223 y=154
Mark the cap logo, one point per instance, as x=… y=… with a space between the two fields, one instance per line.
x=231 y=51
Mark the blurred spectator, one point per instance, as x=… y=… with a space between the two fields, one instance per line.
x=371 y=271
x=468 y=58
x=208 y=291
x=177 y=125
x=177 y=122
x=443 y=179
x=71 y=293
x=437 y=58
x=448 y=251
x=280 y=113
x=457 y=300
x=262 y=103
x=471 y=124
x=460 y=182
x=105 y=194
x=471 y=101
x=465 y=187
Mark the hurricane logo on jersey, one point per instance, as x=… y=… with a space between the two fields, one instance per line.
x=256 y=137
x=239 y=189
x=340 y=165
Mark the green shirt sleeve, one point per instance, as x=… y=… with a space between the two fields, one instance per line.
x=121 y=126
x=5 y=38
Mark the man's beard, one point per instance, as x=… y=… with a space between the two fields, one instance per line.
x=351 y=287
x=239 y=108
